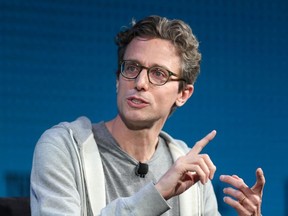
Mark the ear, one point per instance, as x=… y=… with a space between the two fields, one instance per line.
x=117 y=84
x=184 y=95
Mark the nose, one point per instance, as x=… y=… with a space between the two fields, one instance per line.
x=142 y=81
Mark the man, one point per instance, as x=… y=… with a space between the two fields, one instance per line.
x=129 y=166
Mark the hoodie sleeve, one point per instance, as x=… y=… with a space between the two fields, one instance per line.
x=147 y=201
x=53 y=185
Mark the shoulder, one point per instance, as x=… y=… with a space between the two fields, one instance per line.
x=61 y=134
x=81 y=128
x=174 y=143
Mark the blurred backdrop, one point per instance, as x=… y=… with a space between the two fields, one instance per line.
x=58 y=62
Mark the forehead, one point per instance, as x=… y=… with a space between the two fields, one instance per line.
x=155 y=51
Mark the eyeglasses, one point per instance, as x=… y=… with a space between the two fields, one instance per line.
x=156 y=75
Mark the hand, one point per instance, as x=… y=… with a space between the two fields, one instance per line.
x=187 y=170
x=249 y=199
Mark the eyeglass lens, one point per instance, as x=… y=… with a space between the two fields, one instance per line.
x=156 y=75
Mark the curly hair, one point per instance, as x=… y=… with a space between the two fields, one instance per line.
x=176 y=31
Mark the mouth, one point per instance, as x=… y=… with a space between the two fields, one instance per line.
x=137 y=101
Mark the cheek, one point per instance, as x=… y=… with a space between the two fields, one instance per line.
x=123 y=85
x=166 y=99
x=123 y=89
x=120 y=86
x=120 y=93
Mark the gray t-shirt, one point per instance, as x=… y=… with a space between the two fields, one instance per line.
x=119 y=168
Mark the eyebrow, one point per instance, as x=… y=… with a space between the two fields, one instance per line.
x=154 y=65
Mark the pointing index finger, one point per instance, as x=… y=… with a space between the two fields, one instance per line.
x=197 y=148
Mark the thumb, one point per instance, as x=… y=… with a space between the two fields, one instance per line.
x=260 y=182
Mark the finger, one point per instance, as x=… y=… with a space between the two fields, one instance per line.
x=184 y=165
x=241 y=198
x=236 y=177
x=260 y=182
x=197 y=148
x=203 y=161
x=240 y=184
x=204 y=167
x=236 y=182
x=197 y=172
x=236 y=205
x=238 y=195
x=197 y=166
x=210 y=165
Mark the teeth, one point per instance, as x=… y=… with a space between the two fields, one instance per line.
x=136 y=101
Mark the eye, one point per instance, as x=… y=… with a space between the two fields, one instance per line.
x=131 y=67
x=159 y=73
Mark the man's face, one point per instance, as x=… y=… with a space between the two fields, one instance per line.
x=140 y=103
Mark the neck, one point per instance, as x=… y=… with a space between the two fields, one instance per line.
x=139 y=144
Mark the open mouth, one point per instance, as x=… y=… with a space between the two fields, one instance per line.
x=135 y=101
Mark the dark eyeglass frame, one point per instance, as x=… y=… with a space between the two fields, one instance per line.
x=141 y=67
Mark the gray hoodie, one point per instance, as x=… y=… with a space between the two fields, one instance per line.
x=64 y=180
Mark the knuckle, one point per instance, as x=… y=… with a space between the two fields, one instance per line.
x=242 y=186
x=178 y=163
x=201 y=160
x=207 y=172
x=196 y=168
x=241 y=180
x=258 y=200
x=237 y=193
x=213 y=168
x=206 y=156
x=254 y=208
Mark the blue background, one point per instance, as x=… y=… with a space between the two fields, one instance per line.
x=58 y=62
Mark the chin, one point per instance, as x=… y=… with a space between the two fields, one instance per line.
x=138 y=125
x=134 y=123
